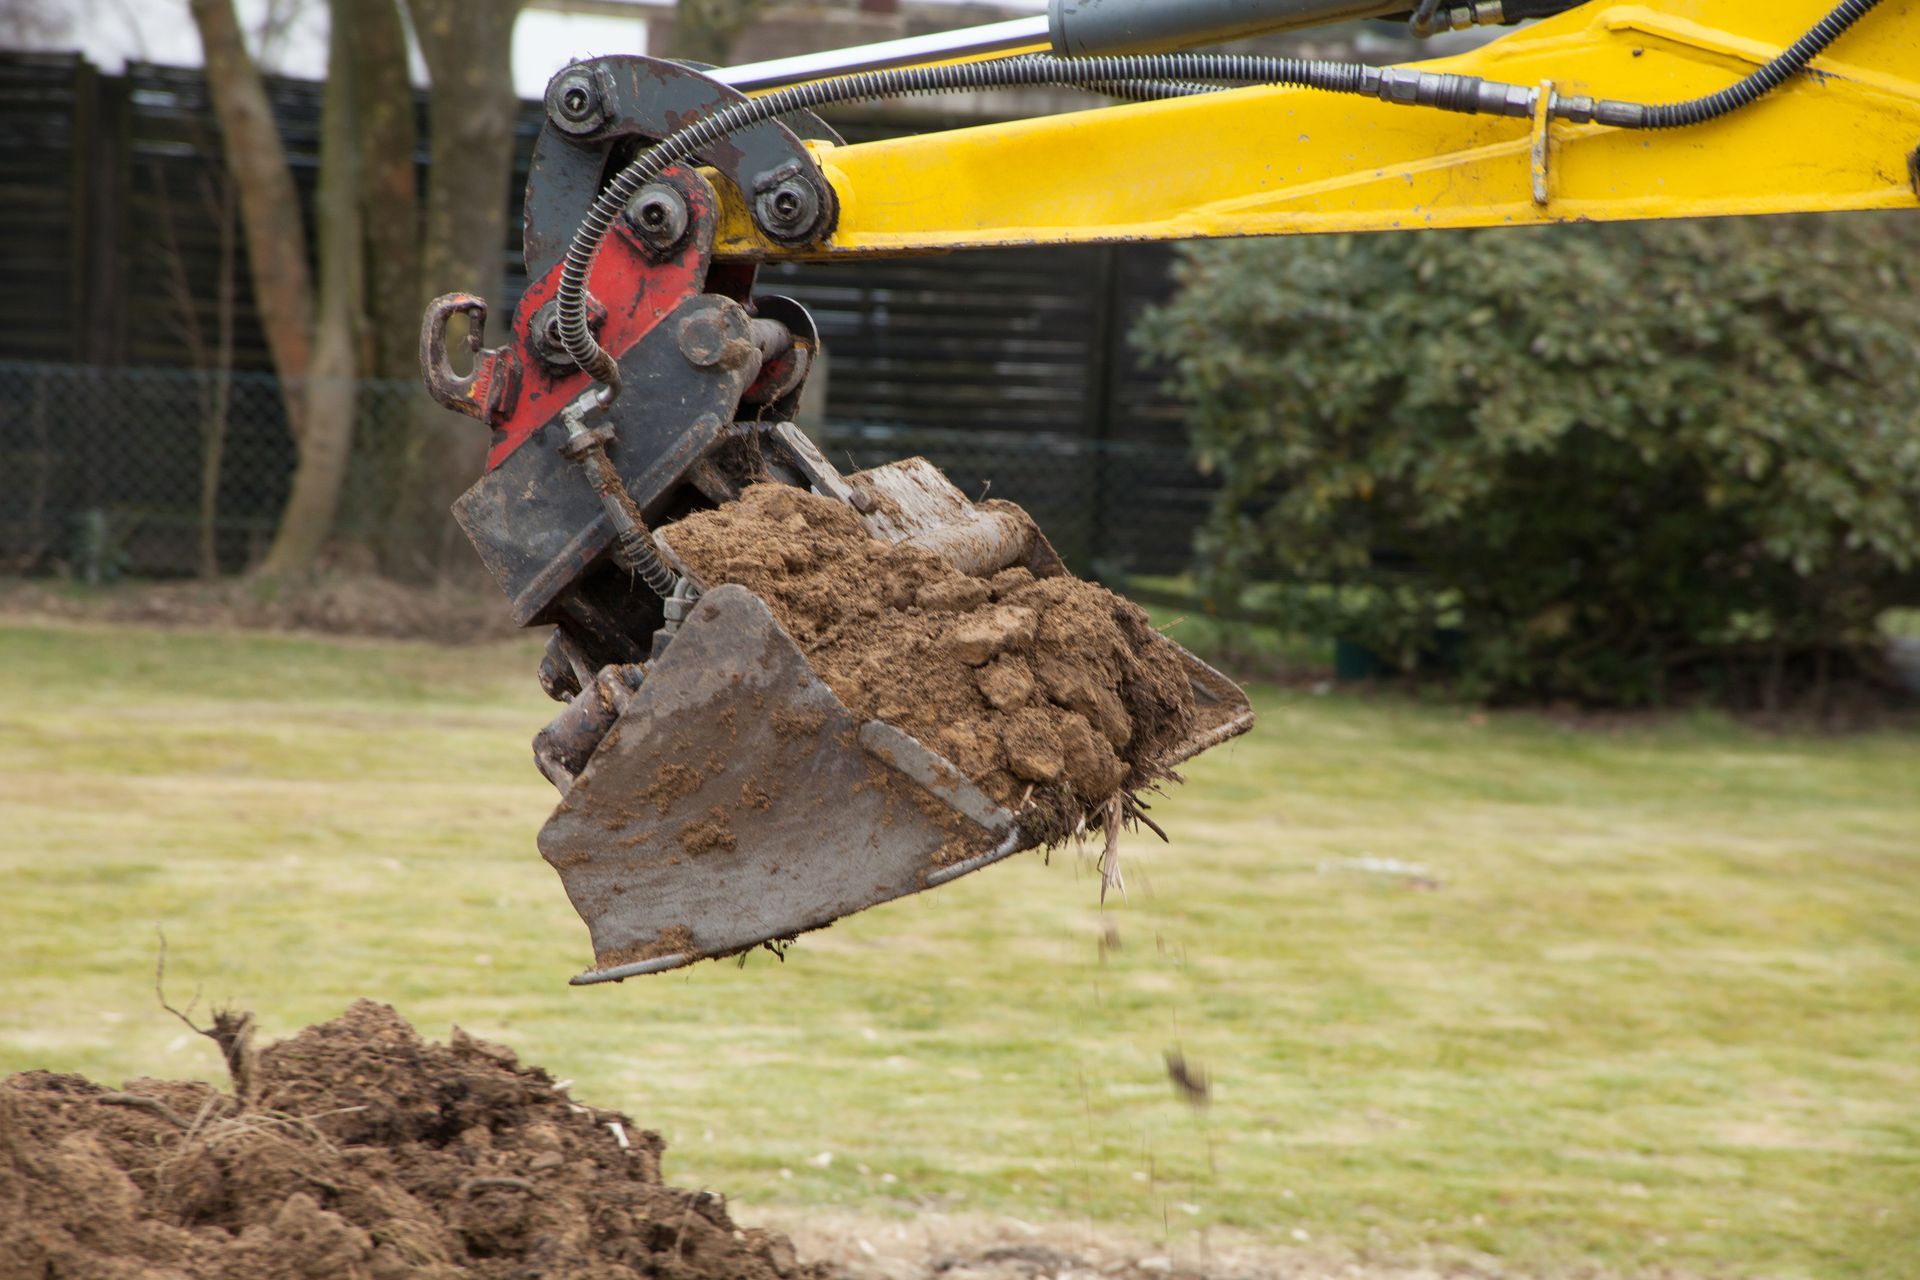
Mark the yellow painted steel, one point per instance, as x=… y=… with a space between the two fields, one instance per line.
x=1267 y=161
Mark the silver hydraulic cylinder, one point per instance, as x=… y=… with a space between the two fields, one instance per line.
x=1082 y=28
x=1076 y=28
x=996 y=37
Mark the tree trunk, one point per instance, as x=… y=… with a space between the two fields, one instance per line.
x=329 y=390
x=213 y=434
x=472 y=111
x=269 y=206
x=389 y=189
x=706 y=30
x=387 y=130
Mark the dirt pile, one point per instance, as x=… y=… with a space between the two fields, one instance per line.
x=1049 y=693
x=361 y=1152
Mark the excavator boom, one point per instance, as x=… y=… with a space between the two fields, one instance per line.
x=1282 y=160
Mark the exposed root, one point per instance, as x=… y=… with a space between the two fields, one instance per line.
x=145 y=1103
x=472 y=1185
x=1110 y=877
x=232 y=1029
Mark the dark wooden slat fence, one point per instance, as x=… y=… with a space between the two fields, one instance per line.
x=1011 y=367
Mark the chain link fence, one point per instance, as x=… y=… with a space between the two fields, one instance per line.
x=117 y=472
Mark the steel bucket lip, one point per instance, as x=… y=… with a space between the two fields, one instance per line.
x=638 y=969
x=1015 y=842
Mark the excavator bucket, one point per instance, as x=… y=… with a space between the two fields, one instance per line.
x=736 y=800
x=726 y=778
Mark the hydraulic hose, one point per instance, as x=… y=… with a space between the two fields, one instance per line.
x=1335 y=77
x=1677 y=115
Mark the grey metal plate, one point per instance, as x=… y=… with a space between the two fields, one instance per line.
x=734 y=804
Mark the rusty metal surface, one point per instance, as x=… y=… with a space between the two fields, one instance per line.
x=734 y=804
x=776 y=391
x=634 y=288
x=536 y=521
x=648 y=98
x=563 y=748
x=486 y=391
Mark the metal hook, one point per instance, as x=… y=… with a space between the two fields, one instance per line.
x=485 y=391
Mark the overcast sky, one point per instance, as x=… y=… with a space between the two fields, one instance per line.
x=110 y=32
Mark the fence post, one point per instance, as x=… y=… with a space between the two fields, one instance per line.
x=101 y=191
x=1098 y=404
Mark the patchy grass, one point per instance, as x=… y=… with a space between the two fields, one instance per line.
x=1641 y=1000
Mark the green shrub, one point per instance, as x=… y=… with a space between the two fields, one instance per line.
x=1590 y=461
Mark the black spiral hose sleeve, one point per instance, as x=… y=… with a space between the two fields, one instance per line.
x=630 y=532
x=1026 y=70
x=1151 y=90
x=1792 y=62
x=636 y=549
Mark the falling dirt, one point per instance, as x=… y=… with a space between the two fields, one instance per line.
x=363 y=1153
x=1051 y=694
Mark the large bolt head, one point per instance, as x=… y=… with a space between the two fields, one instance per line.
x=576 y=102
x=716 y=335
x=788 y=209
x=658 y=214
x=543 y=334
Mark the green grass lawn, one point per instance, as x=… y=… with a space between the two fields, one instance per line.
x=1661 y=1014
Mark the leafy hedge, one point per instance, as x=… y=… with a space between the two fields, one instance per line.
x=1588 y=462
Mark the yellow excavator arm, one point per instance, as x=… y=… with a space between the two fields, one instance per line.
x=1284 y=160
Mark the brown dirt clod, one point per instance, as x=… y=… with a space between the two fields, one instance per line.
x=367 y=1154
x=953 y=595
x=712 y=832
x=1006 y=682
x=1027 y=684
x=673 y=782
